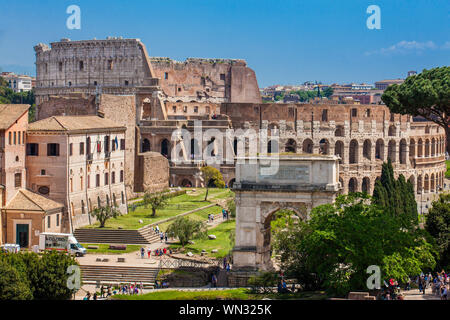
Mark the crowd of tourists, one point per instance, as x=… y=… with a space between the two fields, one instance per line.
x=439 y=283
x=157 y=252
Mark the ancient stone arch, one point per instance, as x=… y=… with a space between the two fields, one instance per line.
x=294 y=182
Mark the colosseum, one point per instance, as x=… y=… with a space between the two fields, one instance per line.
x=160 y=96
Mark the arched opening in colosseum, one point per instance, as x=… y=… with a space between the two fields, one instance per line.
x=432 y=182
x=391 y=150
x=272 y=146
x=324 y=146
x=420 y=148
x=427 y=183
x=403 y=151
x=353 y=152
x=433 y=147
x=339 y=150
x=392 y=131
x=339 y=132
x=412 y=180
x=165 y=146
x=366 y=185
x=341 y=190
x=412 y=148
x=307 y=146
x=367 y=147
x=145 y=145
x=186 y=183
x=352 y=185
x=231 y=183
x=379 y=149
x=427 y=148
x=235 y=146
x=419 y=184
x=211 y=147
x=195 y=149
x=291 y=146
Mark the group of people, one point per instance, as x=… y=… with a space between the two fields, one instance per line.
x=105 y=292
x=161 y=285
x=162 y=235
x=158 y=252
x=439 y=283
x=131 y=288
x=225 y=214
x=226 y=264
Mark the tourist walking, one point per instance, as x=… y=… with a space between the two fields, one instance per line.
x=142 y=252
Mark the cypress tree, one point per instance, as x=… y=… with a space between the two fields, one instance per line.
x=395 y=196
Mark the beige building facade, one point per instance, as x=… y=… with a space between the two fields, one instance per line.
x=78 y=161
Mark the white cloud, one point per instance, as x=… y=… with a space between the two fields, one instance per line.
x=446 y=45
x=405 y=47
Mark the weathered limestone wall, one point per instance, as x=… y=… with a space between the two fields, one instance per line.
x=153 y=171
x=71 y=104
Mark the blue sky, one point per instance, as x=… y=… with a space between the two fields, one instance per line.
x=284 y=41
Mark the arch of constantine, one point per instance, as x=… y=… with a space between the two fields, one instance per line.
x=267 y=184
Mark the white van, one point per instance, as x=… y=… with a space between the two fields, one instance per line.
x=10 y=247
x=61 y=242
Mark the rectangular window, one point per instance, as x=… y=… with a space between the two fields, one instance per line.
x=32 y=149
x=325 y=115
x=367 y=112
x=222 y=76
x=174 y=108
x=18 y=137
x=122 y=144
x=106 y=143
x=43 y=172
x=53 y=149
x=15 y=137
x=354 y=112
x=70 y=149
x=121 y=175
x=57 y=220
x=196 y=109
x=60 y=66
x=97 y=180
x=81 y=65
x=18 y=180
x=81 y=148
x=9 y=139
x=48 y=222
x=106 y=179
x=23 y=137
x=110 y=64
x=166 y=75
x=113 y=177
x=88 y=181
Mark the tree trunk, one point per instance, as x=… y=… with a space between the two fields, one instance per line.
x=153 y=212
x=206 y=195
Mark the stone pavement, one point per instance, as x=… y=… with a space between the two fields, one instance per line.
x=414 y=294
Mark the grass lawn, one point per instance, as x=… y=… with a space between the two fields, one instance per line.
x=222 y=242
x=231 y=294
x=104 y=248
x=201 y=215
x=176 y=206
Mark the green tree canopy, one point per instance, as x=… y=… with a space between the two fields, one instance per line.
x=156 y=200
x=396 y=196
x=186 y=229
x=333 y=249
x=13 y=285
x=426 y=94
x=438 y=226
x=212 y=176
x=102 y=214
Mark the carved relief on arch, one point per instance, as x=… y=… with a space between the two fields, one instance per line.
x=268 y=208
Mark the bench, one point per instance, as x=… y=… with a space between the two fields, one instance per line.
x=120 y=259
x=93 y=247
x=118 y=246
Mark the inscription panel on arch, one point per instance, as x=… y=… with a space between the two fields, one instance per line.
x=287 y=174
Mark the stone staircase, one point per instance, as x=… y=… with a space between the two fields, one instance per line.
x=115 y=275
x=149 y=235
x=113 y=236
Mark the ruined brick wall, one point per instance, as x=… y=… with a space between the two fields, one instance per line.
x=152 y=172
x=71 y=104
x=216 y=80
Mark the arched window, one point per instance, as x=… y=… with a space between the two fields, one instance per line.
x=427 y=183
x=165 y=148
x=432 y=182
x=427 y=148
x=272 y=146
x=367 y=149
x=339 y=132
x=366 y=185
x=324 y=146
x=420 y=148
x=403 y=149
x=339 y=150
x=145 y=145
x=392 y=150
x=353 y=152
x=291 y=146
x=307 y=146
x=419 y=184
x=412 y=148
x=352 y=185
x=392 y=131
x=433 y=147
